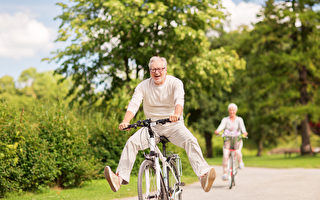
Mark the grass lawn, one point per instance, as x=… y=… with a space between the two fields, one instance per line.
x=276 y=161
x=100 y=190
x=93 y=190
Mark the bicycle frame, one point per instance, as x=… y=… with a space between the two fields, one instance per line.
x=156 y=156
x=233 y=161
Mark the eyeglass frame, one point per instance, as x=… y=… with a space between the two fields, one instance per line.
x=157 y=69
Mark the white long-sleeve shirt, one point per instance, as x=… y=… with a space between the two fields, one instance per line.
x=159 y=101
x=232 y=128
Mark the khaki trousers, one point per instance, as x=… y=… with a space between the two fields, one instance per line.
x=177 y=134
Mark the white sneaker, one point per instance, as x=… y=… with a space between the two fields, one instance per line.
x=225 y=177
x=241 y=165
x=112 y=178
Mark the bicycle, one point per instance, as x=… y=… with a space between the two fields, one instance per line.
x=233 y=162
x=154 y=183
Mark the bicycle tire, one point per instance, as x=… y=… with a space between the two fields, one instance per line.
x=147 y=167
x=171 y=181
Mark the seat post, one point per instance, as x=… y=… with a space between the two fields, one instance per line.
x=164 y=140
x=164 y=149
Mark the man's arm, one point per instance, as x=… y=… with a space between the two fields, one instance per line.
x=126 y=120
x=177 y=113
x=133 y=107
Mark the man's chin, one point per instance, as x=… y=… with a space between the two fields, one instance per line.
x=157 y=82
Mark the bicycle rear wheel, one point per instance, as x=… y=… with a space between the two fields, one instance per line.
x=147 y=182
x=174 y=181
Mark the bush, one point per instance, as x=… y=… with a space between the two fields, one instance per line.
x=11 y=141
x=44 y=146
x=67 y=142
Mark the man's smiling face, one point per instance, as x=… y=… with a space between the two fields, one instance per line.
x=158 y=72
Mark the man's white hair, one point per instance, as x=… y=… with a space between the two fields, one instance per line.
x=232 y=105
x=156 y=58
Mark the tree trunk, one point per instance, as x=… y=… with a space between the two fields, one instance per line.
x=305 y=148
x=260 y=147
x=208 y=137
x=304 y=125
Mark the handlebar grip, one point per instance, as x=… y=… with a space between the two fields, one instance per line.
x=130 y=126
x=163 y=121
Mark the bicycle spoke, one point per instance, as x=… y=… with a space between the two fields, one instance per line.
x=147 y=182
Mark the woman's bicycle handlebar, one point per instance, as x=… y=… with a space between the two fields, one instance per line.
x=147 y=123
x=228 y=136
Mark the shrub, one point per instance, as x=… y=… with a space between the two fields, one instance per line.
x=43 y=146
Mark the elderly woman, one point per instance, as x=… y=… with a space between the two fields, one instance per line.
x=232 y=125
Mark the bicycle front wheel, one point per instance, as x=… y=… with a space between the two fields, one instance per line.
x=174 y=181
x=147 y=182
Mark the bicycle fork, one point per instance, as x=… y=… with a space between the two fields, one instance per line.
x=156 y=162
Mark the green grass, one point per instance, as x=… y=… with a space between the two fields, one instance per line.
x=100 y=190
x=276 y=161
x=93 y=190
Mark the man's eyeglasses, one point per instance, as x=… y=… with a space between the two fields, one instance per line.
x=157 y=69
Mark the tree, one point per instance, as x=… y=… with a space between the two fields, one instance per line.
x=7 y=87
x=112 y=41
x=43 y=85
x=283 y=74
x=207 y=79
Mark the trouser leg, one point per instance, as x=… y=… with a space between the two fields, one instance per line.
x=226 y=153
x=239 y=154
x=138 y=141
x=225 y=160
x=179 y=135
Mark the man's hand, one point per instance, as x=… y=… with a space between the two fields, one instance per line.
x=123 y=125
x=216 y=132
x=174 y=118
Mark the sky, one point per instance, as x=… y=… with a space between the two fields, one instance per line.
x=28 y=31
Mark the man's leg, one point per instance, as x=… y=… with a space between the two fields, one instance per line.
x=179 y=135
x=137 y=142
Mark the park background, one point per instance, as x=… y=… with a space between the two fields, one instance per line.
x=59 y=127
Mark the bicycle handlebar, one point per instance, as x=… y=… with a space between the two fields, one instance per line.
x=222 y=135
x=147 y=123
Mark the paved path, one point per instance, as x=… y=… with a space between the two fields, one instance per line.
x=260 y=184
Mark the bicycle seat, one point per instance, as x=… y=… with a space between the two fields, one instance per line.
x=164 y=139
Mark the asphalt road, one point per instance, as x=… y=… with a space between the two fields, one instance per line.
x=260 y=184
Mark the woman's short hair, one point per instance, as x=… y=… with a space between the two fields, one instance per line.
x=232 y=105
x=155 y=58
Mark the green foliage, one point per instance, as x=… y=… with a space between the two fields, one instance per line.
x=10 y=149
x=112 y=41
x=278 y=91
x=67 y=144
x=47 y=146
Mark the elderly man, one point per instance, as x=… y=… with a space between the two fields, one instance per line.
x=163 y=97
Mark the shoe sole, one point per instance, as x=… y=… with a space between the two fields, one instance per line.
x=211 y=178
x=107 y=172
